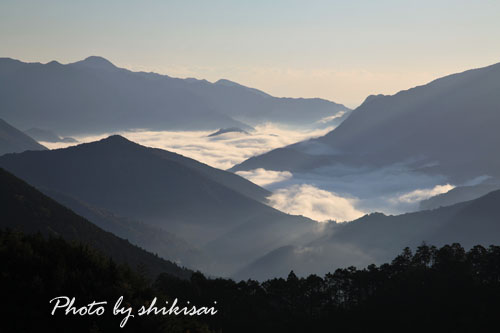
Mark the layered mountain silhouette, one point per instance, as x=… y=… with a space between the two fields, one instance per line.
x=228 y=130
x=376 y=237
x=448 y=127
x=94 y=96
x=215 y=220
x=27 y=210
x=153 y=238
x=48 y=136
x=216 y=211
x=13 y=140
x=458 y=194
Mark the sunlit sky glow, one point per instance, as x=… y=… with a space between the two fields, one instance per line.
x=338 y=50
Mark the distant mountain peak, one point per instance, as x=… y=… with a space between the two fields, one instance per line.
x=186 y=104
x=54 y=63
x=111 y=143
x=13 y=140
x=96 y=61
x=116 y=138
x=371 y=98
x=227 y=83
x=46 y=135
x=228 y=130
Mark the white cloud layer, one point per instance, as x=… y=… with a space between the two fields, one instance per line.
x=392 y=190
x=222 y=151
x=312 y=202
x=263 y=177
x=330 y=118
x=422 y=194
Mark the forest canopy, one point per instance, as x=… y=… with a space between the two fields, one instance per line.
x=445 y=289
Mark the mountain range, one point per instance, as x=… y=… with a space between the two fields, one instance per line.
x=94 y=96
x=447 y=127
x=374 y=238
x=27 y=210
x=48 y=136
x=153 y=238
x=459 y=194
x=219 y=222
x=215 y=211
x=444 y=131
x=13 y=140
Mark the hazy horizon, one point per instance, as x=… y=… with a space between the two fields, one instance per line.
x=338 y=51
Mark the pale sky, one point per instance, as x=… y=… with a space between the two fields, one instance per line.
x=337 y=50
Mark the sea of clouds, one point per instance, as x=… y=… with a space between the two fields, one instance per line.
x=343 y=194
x=221 y=151
x=337 y=193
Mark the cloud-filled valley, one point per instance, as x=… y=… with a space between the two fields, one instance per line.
x=338 y=166
x=338 y=193
x=221 y=151
x=319 y=205
x=238 y=166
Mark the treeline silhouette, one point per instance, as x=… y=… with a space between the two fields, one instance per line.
x=432 y=290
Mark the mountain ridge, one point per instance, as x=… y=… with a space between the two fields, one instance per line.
x=375 y=237
x=207 y=207
x=93 y=96
x=13 y=140
x=437 y=123
x=26 y=209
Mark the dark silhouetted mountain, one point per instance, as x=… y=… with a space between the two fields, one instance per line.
x=210 y=208
x=48 y=136
x=154 y=239
x=94 y=96
x=448 y=127
x=26 y=209
x=13 y=140
x=137 y=182
x=228 y=130
x=376 y=237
